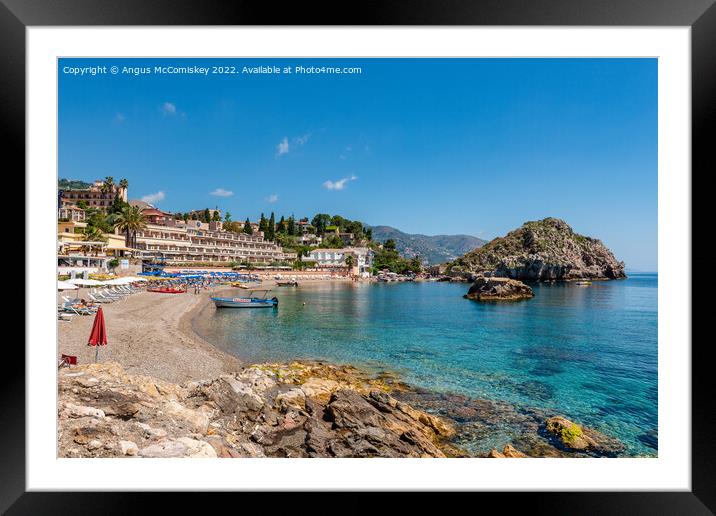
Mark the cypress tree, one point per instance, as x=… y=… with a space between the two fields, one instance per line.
x=271 y=233
x=247 y=227
x=291 y=229
x=263 y=224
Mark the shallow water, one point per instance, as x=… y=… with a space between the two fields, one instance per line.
x=589 y=353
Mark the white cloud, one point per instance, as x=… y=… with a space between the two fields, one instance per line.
x=302 y=140
x=220 y=192
x=282 y=147
x=272 y=198
x=298 y=141
x=340 y=184
x=155 y=197
x=169 y=109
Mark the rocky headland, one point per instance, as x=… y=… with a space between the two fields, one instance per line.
x=544 y=250
x=498 y=289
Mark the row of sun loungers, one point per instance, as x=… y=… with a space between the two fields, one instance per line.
x=72 y=307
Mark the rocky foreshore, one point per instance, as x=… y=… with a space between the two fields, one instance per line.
x=301 y=409
x=268 y=410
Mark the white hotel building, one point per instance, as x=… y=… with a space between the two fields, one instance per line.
x=336 y=258
x=176 y=241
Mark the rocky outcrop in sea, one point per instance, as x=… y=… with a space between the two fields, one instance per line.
x=301 y=409
x=498 y=289
x=544 y=250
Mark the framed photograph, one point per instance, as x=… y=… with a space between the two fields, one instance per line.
x=394 y=255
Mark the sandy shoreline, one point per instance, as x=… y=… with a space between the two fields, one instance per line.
x=150 y=334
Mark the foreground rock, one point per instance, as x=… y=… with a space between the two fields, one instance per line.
x=572 y=436
x=498 y=289
x=509 y=452
x=545 y=250
x=271 y=410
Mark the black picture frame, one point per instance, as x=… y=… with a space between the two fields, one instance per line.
x=700 y=15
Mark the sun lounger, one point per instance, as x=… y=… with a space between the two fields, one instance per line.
x=100 y=299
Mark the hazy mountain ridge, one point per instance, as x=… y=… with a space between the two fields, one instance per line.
x=433 y=249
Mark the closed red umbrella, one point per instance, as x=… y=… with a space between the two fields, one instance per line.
x=98 y=337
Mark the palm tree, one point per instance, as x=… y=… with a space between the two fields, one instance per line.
x=108 y=184
x=123 y=183
x=129 y=221
x=350 y=260
x=93 y=234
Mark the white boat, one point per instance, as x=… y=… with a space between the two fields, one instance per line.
x=250 y=301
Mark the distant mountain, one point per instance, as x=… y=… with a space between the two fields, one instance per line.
x=433 y=249
x=72 y=184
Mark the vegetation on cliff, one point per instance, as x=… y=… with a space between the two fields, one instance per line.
x=542 y=250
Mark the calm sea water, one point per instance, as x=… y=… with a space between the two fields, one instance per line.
x=589 y=353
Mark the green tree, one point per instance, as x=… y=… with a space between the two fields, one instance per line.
x=117 y=204
x=415 y=265
x=263 y=224
x=332 y=242
x=389 y=245
x=339 y=221
x=93 y=234
x=123 y=183
x=97 y=219
x=281 y=227
x=227 y=216
x=129 y=222
x=82 y=205
x=107 y=184
x=271 y=229
x=291 y=226
x=247 y=227
x=320 y=221
x=350 y=260
x=206 y=216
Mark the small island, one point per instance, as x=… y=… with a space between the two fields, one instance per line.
x=498 y=289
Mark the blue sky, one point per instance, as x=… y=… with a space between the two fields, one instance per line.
x=474 y=146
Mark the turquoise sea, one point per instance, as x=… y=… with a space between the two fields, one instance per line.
x=589 y=353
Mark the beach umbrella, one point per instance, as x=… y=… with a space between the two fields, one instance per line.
x=116 y=281
x=98 y=336
x=66 y=285
x=85 y=282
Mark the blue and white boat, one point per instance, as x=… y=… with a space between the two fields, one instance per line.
x=250 y=301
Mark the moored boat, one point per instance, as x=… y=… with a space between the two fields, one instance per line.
x=250 y=301
x=167 y=290
x=287 y=283
x=583 y=282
